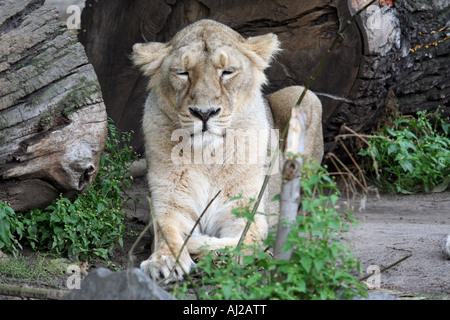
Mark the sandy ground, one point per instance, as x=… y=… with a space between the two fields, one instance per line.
x=392 y=227
x=389 y=228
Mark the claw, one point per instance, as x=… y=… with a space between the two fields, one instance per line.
x=159 y=267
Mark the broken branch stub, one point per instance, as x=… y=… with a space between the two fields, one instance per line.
x=290 y=188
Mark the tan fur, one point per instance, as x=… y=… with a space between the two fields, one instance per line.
x=207 y=71
x=281 y=103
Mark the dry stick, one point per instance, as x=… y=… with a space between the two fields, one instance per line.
x=167 y=242
x=332 y=155
x=359 y=135
x=164 y=237
x=171 y=250
x=264 y=186
x=343 y=174
x=28 y=292
x=388 y=267
x=260 y=195
x=362 y=137
x=352 y=179
x=184 y=243
x=192 y=231
x=339 y=35
x=313 y=77
x=146 y=229
x=356 y=164
x=133 y=247
x=291 y=196
x=130 y=263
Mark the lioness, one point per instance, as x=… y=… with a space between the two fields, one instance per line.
x=207 y=129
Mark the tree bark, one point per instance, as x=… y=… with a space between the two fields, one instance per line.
x=404 y=64
x=53 y=121
x=353 y=84
x=290 y=195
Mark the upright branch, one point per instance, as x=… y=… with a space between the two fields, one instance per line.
x=290 y=189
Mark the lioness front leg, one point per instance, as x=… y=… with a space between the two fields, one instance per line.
x=162 y=264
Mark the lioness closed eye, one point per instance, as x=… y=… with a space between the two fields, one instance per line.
x=207 y=129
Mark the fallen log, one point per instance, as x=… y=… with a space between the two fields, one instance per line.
x=53 y=121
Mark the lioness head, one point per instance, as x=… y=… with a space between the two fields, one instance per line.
x=206 y=74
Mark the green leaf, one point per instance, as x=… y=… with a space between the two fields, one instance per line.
x=9 y=211
x=4 y=231
x=100 y=207
x=318 y=264
x=393 y=148
x=442 y=186
x=306 y=263
x=406 y=165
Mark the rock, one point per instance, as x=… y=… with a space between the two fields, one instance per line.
x=104 y=284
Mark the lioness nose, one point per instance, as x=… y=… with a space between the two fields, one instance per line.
x=204 y=115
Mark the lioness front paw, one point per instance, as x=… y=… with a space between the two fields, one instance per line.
x=160 y=265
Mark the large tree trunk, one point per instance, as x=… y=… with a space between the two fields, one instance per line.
x=373 y=57
x=52 y=116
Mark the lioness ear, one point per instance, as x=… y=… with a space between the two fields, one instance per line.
x=265 y=47
x=149 y=56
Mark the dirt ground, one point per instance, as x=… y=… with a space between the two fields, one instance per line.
x=390 y=228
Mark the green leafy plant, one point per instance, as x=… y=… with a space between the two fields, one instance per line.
x=10 y=225
x=90 y=225
x=411 y=156
x=321 y=267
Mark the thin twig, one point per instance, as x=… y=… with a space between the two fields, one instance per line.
x=312 y=78
x=192 y=231
x=343 y=174
x=332 y=155
x=35 y=293
x=356 y=165
x=362 y=137
x=170 y=248
x=339 y=35
x=133 y=247
x=260 y=195
x=388 y=267
x=130 y=263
